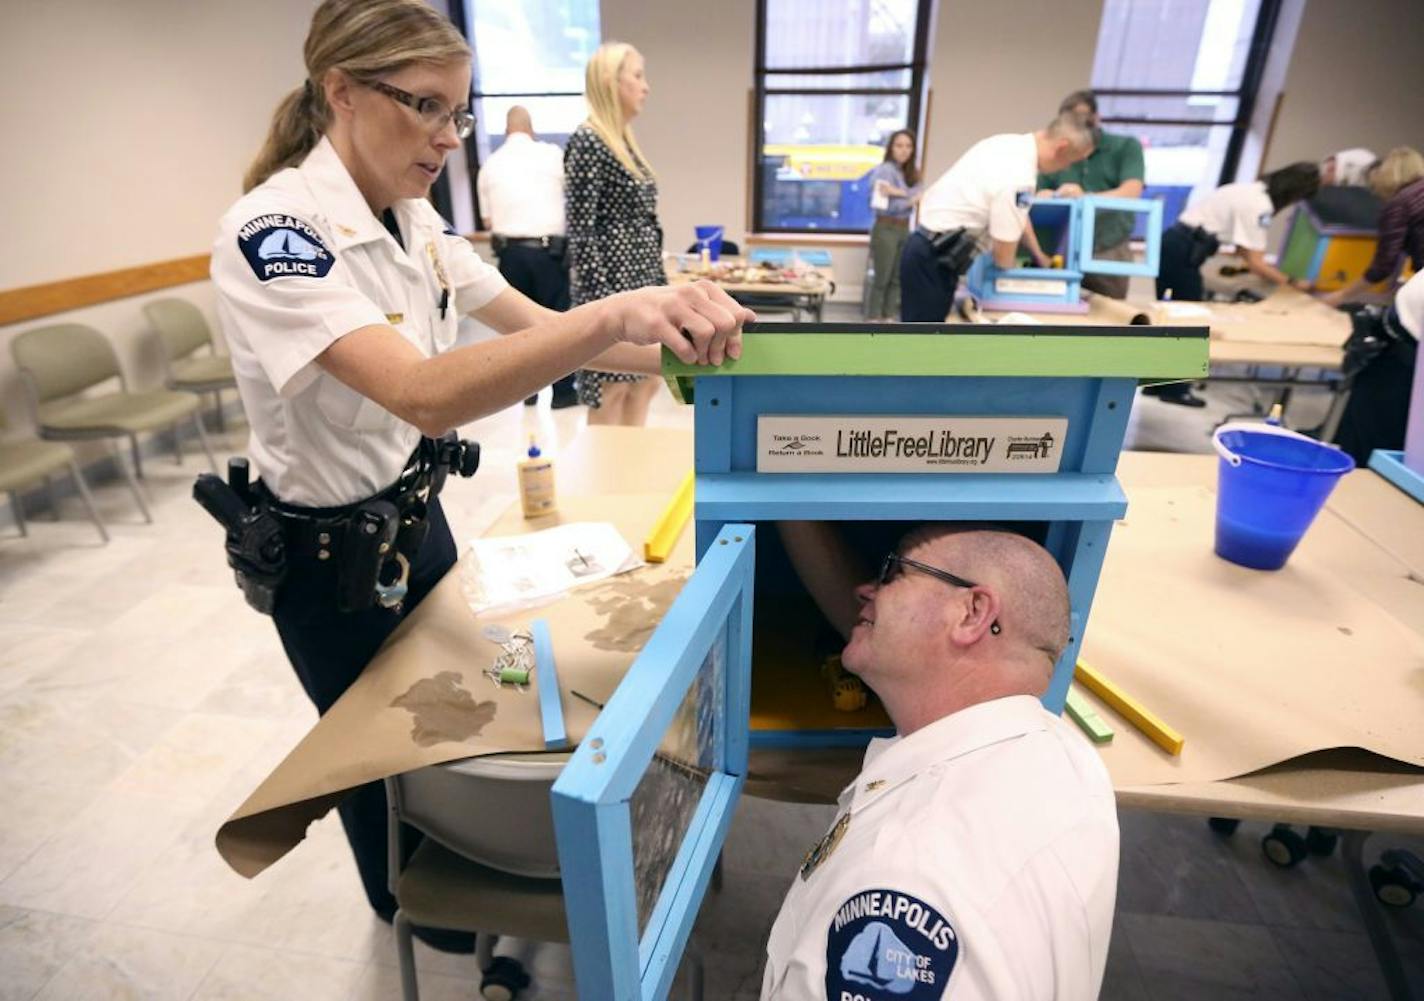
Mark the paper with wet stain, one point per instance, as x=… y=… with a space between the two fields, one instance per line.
x=424 y=698
x=443 y=710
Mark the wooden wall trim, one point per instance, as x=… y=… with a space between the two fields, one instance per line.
x=33 y=301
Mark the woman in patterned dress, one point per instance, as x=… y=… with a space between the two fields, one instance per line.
x=611 y=201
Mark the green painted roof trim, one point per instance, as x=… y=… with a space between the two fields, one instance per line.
x=1164 y=355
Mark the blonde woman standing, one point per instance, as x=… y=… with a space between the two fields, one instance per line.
x=611 y=203
x=340 y=290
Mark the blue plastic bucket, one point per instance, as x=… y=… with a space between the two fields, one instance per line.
x=709 y=238
x=1271 y=483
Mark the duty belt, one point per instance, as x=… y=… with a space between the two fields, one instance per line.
x=553 y=244
x=368 y=545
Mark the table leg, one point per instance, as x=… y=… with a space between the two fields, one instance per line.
x=1352 y=845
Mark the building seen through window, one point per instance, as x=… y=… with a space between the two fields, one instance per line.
x=834 y=80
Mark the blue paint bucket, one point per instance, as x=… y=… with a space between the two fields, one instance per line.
x=709 y=238
x=1271 y=482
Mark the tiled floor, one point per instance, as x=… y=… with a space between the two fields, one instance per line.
x=141 y=701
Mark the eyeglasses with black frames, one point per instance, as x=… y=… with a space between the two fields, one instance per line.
x=894 y=565
x=433 y=112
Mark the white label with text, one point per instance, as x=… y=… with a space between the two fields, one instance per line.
x=883 y=444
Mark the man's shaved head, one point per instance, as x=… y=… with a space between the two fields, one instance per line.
x=1028 y=580
x=518 y=120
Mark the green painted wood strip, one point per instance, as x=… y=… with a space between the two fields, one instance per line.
x=1159 y=356
x=1081 y=711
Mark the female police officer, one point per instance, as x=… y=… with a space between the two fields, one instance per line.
x=339 y=289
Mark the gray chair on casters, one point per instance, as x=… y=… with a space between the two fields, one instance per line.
x=23 y=463
x=182 y=333
x=497 y=809
x=60 y=361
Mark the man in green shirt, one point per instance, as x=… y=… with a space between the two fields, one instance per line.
x=1115 y=170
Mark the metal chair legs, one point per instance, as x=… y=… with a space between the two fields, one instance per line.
x=405 y=949
x=133 y=484
x=19 y=511
x=203 y=437
x=137 y=462
x=88 y=500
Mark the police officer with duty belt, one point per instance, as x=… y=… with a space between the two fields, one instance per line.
x=983 y=198
x=339 y=288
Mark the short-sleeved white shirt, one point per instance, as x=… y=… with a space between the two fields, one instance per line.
x=1234 y=213
x=979 y=862
x=521 y=188
x=1409 y=306
x=988 y=190
x=299 y=262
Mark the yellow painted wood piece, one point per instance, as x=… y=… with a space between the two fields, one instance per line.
x=670 y=523
x=1135 y=712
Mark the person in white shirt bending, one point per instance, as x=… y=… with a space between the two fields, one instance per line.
x=975 y=856
x=521 y=192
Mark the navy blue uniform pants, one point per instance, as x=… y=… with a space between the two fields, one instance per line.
x=926 y=286
x=329 y=649
x=1175 y=271
x=543 y=277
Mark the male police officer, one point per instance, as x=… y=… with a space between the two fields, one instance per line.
x=975 y=856
x=984 y=196
x=521 y=189
x=1115 y=170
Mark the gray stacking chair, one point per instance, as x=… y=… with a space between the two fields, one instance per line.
x=57 y=363
x=26 y=462
x=183 y=332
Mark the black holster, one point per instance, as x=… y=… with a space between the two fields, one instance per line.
x=954 y=249
x=1203 y=245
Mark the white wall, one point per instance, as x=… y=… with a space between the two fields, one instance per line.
x=128 y=127
x=1356 y=78
x=694 y=127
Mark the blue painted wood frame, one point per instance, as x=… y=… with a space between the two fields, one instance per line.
x=546 y=680
x=592 y=824
x=1152 y=238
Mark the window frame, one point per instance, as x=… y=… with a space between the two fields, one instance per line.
x=1247 y=95
x=915 y=92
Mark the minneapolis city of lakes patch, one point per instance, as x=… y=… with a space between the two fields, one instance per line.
x=884 y=945
x=283 y=246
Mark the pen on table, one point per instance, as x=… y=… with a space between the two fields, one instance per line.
x=580 y=695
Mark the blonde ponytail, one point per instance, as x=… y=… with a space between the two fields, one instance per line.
x=297 y=126
x=365 y=39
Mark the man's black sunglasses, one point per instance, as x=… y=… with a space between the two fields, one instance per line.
x=893 y=566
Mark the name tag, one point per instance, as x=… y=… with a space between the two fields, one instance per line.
x=851 y=443
x=394 y=318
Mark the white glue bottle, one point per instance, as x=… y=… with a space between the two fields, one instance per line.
x=536 y=483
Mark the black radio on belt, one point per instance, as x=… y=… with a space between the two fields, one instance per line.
x=256 y=549
x=954 y=249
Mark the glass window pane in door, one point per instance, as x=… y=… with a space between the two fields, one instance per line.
x=829 y=33
x=817 y=151
x=1174 y=44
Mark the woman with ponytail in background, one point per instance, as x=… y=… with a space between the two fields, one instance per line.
x=339 y=289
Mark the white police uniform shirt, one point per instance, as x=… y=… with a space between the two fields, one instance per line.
x=521 y=188
x=299 y=262
x=1234 y=213
x=988 y=191
x=979 y=861
x=1409 y=306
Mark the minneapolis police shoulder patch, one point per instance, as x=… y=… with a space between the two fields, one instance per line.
x=1023 y=198
x=884 y=945
x=283 y=246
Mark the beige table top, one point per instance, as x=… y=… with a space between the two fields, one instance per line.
x=1289 y=328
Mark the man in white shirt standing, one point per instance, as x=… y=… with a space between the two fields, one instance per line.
x=975 y=856
x=521 y=191
x=981 y=202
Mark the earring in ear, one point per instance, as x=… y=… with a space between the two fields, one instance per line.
x=994 y=628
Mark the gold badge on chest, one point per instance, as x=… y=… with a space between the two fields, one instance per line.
x=822 y=849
